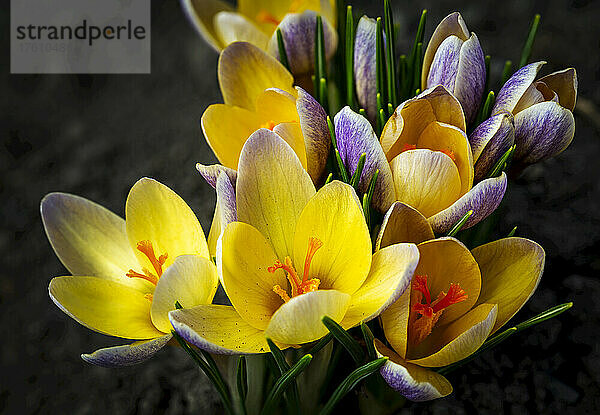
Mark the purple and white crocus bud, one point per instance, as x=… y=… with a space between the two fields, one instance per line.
x=490 y=140
x=455 y=60
x=542 y=110
x=365 y=68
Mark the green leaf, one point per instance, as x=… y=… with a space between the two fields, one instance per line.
x=512 y=232
x=502 y=162
x=362 y=112
x=381 y=120
x=283 y=383
x=368 y=336
x=486 y=109
x=418 y=68
x=458 y=226
x=320 y=344
x=329 y=178
x=413 y=66
x=507 y=71
x=293 y=399
x=320 y=62
x=324 y=101
x=350 y=383
x=344 y=338
x=379 y=63
x=338 y=159
x=355 y=179
x=178 y=305
x=349 y=57
x=282 y=53
x=242 y=378
x=526 y=53
x=488 y=58
x=392 y=93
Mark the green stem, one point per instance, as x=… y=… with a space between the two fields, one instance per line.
x=526 y=53
x=349 y=57
x=283 y=383
x=344 y=338
x=282 y=53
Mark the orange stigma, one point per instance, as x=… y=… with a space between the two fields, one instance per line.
x=407 y=147
x=265 y=17
x=146 y=248
x=299 y=286
x=269 y=125
x=424 y=316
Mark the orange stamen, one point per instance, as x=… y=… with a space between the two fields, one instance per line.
x=147 y=249
x=313 y=246
x=407 y=147
x=455 y=295
x=148 y=277
x=265 y=17
x=269 y=125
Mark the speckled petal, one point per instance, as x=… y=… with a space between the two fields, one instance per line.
x=483 y=199
x=364 y=66
x=128 y=354
x=355 y=136
x=515 y=87
x=490 y=140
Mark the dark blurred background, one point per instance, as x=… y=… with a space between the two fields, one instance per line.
x=95 y=135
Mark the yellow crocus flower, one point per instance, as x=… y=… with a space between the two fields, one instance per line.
x=294 y=256
x=127 y=274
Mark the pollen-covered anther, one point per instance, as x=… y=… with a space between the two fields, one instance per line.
x=268 y=125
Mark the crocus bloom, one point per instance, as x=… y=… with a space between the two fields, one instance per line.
x=365 y=67
x=257 y=93
x=454 y=59
x=490 y=140
x=127 y=275
x=432 y=163
x=455 y=301
x=544 y=123
x=289 y=260
x=255 y=21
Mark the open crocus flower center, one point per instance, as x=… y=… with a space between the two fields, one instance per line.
x=264 y=16
x=449 y=153
x=424 y=316
x=298 y=286
x=146 y=248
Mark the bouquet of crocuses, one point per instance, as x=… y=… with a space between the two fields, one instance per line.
x=348 y=178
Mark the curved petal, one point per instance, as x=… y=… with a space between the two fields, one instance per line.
x=225 y=208
x=482 y=199
x=453 y=24
x=243 y=260
x=201 y=14
x=394 y=321
x=542 y=131
x=191 y=280
x=364 y=66
x=128 y=354
x=218 y=329
x=298 y=32
x=459 y=339
x=292 y=134
x=245 y=72
x=512 y=91
x=231 y=27
x=276 y=105
x=444 y=66
x=403 y=223
x=445 y=261
x=317 y=141
x=334 y=213
x=470 y=77
x=391 y=271
x=104 y=306
x=226 y=128
x=511 y=269
x=415 y=383
x=157 y=214
x=299 y=320
x=355 y=136
x=564 y=83
x=426 y=180
x=272 y=189
x=89 y=239
x=490 y=140
x=210 y=173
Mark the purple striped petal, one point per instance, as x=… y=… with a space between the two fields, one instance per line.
x=490 y=140
x=313 y=122
x=470 y=78
x=564 y=83
x=482 y=199
x=542 y=131
x=226 y=200
x=211 y=173
x=355 y=136
x=515 y=87
x=298 y=31
x=365 y=67
x=127 y=355
x=444 y=67
x=414 y=382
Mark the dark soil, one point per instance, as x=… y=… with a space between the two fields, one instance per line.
x=95 y=135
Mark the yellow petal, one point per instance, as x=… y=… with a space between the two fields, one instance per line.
x=445 y=261
x=257 y=10
x=459 y=339
x=426 y=180
x=244 y=257
x=89 y=239
x=191 y=280
x=157 y=214
x=403 y=223
x=104 y=306
x=218 y=329
x=413 y=382
x=277 y=106
x=215 y=231
x=299 y=320
x=335 y=217
x=226 y=129
x=391 y=272
x=292 y=134
x=394 y=321
x=445 y=137
x=245 y=71
x=511 y=269
x=272 y=189
x=201 y=13
x=232 y=27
